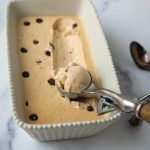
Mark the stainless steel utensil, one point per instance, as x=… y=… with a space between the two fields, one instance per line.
x=109 y=101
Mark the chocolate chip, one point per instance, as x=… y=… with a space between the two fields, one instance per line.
x=38 y=61
x=39 y=20
x=66 y=70
x=23 y=50
x=90 y=108
x=74 y=25
x=51 y=81
x=35 y=42
x=26 y=23
x=27 y=103
x=33 y=117
x=62 y=96
x=25 y=74
x=51 y=45
x=48 y=53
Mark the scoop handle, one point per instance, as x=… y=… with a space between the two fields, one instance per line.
x=144 y=112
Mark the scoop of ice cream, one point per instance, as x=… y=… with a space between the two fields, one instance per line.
x=65 y=26
x=73 y=78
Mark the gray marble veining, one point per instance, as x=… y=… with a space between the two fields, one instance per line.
x=104 y=4
x=11 y=133
x=125 y=82
x=123 y=21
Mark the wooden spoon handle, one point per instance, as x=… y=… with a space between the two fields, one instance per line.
x=144 y=112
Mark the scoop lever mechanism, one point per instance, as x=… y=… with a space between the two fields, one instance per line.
x=106 y=105
x=111 y=101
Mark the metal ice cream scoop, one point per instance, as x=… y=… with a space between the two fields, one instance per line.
x=109 y=101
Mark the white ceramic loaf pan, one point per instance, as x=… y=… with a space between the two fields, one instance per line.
x=100 y=53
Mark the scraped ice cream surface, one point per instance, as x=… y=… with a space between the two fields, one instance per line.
x=67 y=43
x=65 y=26
x=55 y=51
x=68 y=56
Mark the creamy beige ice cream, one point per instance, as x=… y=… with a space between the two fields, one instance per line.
x=67 y=44
x=40 y=96
x=73 y=78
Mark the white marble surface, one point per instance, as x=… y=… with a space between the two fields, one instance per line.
x=123 y=21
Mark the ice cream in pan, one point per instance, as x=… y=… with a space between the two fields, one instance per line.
x=57 y=48
x=55 y=51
